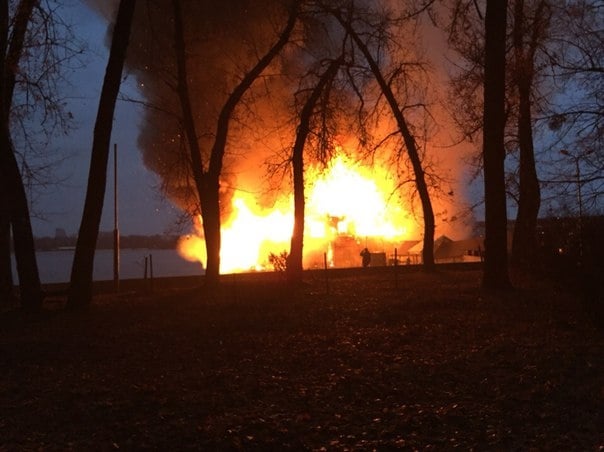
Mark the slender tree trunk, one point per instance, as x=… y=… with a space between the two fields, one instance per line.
x=30 y=289
x=18 y=210
x=294 y=263
x=210 y=199
x=294 y=259
x=495 y=275
x=80 y=290
x=210 y=210
x=524 y=241
x=191 y=133
x=410 y=144
x=6 y=274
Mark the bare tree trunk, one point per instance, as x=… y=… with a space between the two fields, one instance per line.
x=524 y=241
x=294 y=259
x=529 y=201
x=410 y=144
x=18 y=210
x=189 y=122
x=210 y=208
x=210 y=198
x=495 y=275
x=80 y=290
x=6 y=274
x=30 y=289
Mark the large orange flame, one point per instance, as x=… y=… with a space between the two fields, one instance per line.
x=345 y=199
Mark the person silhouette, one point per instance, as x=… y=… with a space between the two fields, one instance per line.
x=365 y=257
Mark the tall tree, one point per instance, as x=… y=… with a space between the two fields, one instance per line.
x=294 y=259
x=80 y=289
x=408 y=138
x=207 y=179
x=6 y=274
x=577 y=57
x=526 y=81
x=496 y=276
x=12 y=49
x=527 y=35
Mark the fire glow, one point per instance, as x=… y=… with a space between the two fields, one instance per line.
x=342 y=200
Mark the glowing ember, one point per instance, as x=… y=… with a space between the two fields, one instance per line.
x=343 y=200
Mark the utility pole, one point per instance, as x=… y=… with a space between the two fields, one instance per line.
x=116 y=232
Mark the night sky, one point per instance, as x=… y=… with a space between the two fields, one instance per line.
x=142 y=209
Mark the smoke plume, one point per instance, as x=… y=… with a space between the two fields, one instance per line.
x=223 y=40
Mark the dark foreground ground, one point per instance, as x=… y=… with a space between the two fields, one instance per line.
x=424 y=362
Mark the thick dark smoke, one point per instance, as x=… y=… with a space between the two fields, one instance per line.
x=223 y=40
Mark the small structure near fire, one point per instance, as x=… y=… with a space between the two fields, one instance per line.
x=451 y=251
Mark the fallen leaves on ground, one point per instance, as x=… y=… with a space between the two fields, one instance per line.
x=426 y=361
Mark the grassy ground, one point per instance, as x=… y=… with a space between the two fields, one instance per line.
x=427 y=361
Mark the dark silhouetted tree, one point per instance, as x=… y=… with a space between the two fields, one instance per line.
x=207 y=179
x=38 y=46
x=6 y=274
x=496 y=276
x=294 y=259
x=527 y=35
x=80 y=289
x=577 y=57
x=526 y=80
x=12 y=48
x=405 y=131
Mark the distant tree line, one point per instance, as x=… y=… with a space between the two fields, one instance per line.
x=105 y=241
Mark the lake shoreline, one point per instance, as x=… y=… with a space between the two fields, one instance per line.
x=55 y=266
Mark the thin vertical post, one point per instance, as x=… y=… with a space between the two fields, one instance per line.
x=326 y=273
x=116 y=232
x=395 y=268
x=580 y=199
x=151 y=270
